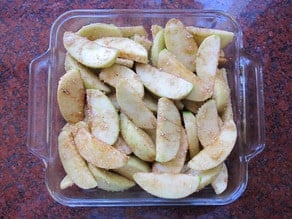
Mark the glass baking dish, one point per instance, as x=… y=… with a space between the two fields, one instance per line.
x=45 y=121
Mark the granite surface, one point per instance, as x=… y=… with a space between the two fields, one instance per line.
x=25 y=27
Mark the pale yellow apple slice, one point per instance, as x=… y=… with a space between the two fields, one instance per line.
x=96 y=151
x=206 y=176
x=90 y=78
x=122 y=146
x=155 y=29
x=134 y=165
x=137 y=139
x=181 y=43
x=220 y=183
x=168 y=130
x=176 y=164
x=66 y=182
x=163 y=84
x=103 y=118
x=110 y=181
x=73 y=164
x=192 y=133
x=116 y=73
x=97 y=30
x=215 y=153
x=71 y=96
x=128 y=49
x=133 y=106
x=133 y=30
x=207 y=123
x=167 y=185
x=201 y=33
x=158 y=45
x=88 y=52
x=126 y=62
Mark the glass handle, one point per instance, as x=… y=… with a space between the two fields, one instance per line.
x=252 y=83
x=37 y=106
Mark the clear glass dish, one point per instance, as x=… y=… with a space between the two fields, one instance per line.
x=45 y=121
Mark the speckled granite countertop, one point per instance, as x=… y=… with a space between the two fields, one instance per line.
x=25 y=27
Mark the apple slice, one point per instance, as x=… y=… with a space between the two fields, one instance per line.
x=163 y=84
x=215 y=153
x=155 y=29
x=181 y=43
x=192 y=133
x=71 y=96
x=103 y=118
x=158 y=45
x=167 y=185
x=206 y=176
x=133 y=106
x=90 y=78
x=176 y=164
x=127 y=48
x=98 y=30
x=168 y=130
x=116 y=73
x=110 y=181
x=147 y=44
x=219 y=184
x=201 y=33
x=125 y=62
x=96 y=151
x=137 y=139
x=66 y=182
x=208 y=123
x=134 y=165
x=133 y=30
x=88 y=52
x=74 y=165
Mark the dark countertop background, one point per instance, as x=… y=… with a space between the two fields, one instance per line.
x=24 y=34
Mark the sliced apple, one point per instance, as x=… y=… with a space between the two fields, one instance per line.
x=88 y=52
x=158 y=45
x=71 y=96
x=192 y=133
x=206 y=176
x=155 y=29
x=208 y=123
x=219 y=184
x=137 y=139
x=133 y=106
x=122 y=146
x=66 y=182
x=176 y=164
x=143 y=41
x=215 y=153
x=133 y=30
x=167 y=185
x=181 y=43
x=73 y=164
x=96 y=151
x=110 y=181
x=103 y=118
x=163 y=84
x=126 y=62
x=168 y=130
x=128 y=49
x=201 y=33
x=116 y=73
x=134 y=165
x=98 y=30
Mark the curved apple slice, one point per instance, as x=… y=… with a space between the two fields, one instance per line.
x=138 y=140
x=125 y=62
x=133 y=106
x=66 y=182
x=110 y=181
x=221 y=91
x=208 y=123
x=163 y=84
x=103 y=118
x=133 y=30
x=219 y=184
x=88 y=52
x=158 y=45
x=97 y=30
x=128 y=49
x=74 y=165
x=181 y=43
x=96 y=151
x=167 y=185
x=116 y=73
x=71 y=96
x=215 y=153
